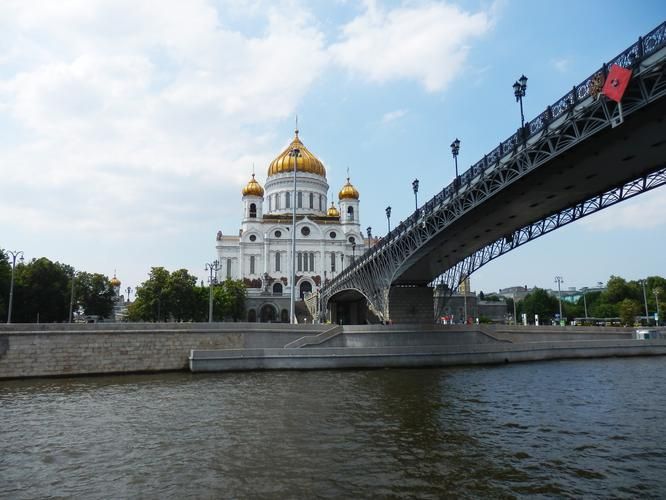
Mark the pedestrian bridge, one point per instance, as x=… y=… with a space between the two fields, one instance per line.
x=582 y=154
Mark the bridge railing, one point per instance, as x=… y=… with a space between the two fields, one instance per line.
x=630 y=57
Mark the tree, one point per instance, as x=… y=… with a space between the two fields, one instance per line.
x=94 y=293
x=539 y=302
x=628 y=309
x=181 y=293
x=5 y=278
x=41 y=291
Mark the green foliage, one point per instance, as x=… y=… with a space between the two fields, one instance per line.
x=628 y=309
x=94 y=293
x=539 y=302
x=175 y=297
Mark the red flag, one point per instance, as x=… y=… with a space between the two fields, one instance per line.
x=616 y=82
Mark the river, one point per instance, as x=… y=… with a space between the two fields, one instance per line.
x=580 y=428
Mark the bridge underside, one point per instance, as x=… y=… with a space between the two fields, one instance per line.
x=608 y=159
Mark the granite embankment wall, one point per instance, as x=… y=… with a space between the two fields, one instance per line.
x=56 y=350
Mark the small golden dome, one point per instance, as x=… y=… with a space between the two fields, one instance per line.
x=306 y=161
x=332 y=211
x=253 y=188
x=114 y=281
x=348 y=192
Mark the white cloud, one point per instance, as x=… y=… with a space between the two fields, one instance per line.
x=644 y=212
x=561 y=64
x=393 y=115
x=427 y=42
x=110 y=100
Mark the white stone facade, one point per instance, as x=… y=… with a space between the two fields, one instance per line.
x=327 y=238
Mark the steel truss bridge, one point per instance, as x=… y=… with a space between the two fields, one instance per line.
x=572 y=160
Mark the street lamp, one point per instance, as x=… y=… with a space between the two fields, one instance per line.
x=353 y=251
x=584 y=290
x=647 y=314
x=519 y=89
x=369 y=230
x=14 y=254
x=455 y=149
x=71 y=297
x=294 y=153
x=415 y=187
x=129 y=290
x=388 y=218
x=656 y=300
x=213 y=267
x=559 y=281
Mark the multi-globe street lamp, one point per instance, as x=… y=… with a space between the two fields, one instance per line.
x=369 y=230
x=559 y=281
x=519 y=89
x=129 y=290
x=213 y=267
x=455 y=150
x=353 y=251
x=388 y=218
x=14 y=254
x=415 y=188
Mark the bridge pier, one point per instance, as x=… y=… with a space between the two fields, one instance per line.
x=411 y=304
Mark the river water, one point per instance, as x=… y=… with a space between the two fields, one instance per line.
x=585 y=428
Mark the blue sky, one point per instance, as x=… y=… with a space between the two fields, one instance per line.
x=128 y=128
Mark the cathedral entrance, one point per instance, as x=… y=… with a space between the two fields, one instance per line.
x=306 y=287
x=268 y=314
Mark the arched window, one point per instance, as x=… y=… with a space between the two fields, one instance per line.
x=277 y=261
x=253 y=210
x=228 y=268
x=350 y=213
x=320 y=203
x=287 y=200
x=252 y=259
x=299 y=257
x=284 y=316
x=300 y=199
x=332 y=261
x=252 y=316
x=311 y=200
x=312 y=262
x=277 y=202
x=306 y=287
x=277 y=288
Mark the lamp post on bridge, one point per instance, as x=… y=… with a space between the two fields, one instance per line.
x=353 y=251
x=213 y=267
x=559 y=281
x=388 y=218
x=455 y=149
x=519 y=89
x=14 y=254
x=415 y=187
x=369 y=230
x=129 y=290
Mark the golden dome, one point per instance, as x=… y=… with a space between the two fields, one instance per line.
x=348 y=192
x=332 y=211
x=114 y=281
x=253 y=188
x=306 y=162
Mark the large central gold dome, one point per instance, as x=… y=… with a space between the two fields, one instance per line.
x=306 y=162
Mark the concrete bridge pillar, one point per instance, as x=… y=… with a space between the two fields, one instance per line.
x=411 y=304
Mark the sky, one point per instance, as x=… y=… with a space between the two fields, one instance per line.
x=128 y=128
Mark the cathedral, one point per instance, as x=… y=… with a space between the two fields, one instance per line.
x=328 y=238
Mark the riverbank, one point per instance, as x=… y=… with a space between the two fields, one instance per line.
x=39 y=350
